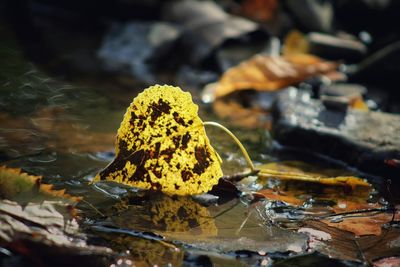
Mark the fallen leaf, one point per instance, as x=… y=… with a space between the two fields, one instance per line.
x=295 y=43
x=387 y=262
x=286 y=197
x=345 y=245
x=354 y=212
x=260 y=10
x=45 y=231
x=15 y=184
x=364 y=224
x=290 y=172
x=162 y=145
x=359 y=104
x=270 y=73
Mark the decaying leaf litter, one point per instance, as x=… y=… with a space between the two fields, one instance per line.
x=304 y=215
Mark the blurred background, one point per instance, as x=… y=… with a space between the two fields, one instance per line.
x=130 y=43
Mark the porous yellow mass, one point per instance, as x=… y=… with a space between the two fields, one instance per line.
x=162 y=145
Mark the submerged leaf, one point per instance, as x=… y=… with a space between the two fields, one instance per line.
x=162 y=145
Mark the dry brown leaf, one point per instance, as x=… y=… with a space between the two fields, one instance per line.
x=366 y=224
x=40 y=231
x=286 y=197
x=269 y=73
x=387 y=262
x=260 y=10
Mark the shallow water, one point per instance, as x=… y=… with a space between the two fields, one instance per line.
x=65 y=132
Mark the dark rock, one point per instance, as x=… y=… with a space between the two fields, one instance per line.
x=344 y=89
x=369 y=141
x=381 y=66
x=311 y=15
x=137 y=47
x=336 y=47
x=207 y=27
x=340 y=95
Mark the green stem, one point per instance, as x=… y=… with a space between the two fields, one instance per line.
x=237 y=141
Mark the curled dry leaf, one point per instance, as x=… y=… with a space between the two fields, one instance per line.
x=14 y=183
x=45 y=231
x=270 y=73
x=364 y=224
x=162 y=145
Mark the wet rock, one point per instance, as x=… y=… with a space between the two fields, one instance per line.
x=336 y=47
x=137 y=47
x=311 y=15
x=369 y=141
x=340 y=95
x=207 y=27
x=380 y=67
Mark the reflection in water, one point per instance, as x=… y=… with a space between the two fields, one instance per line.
x=150 y=252
x=169 y=216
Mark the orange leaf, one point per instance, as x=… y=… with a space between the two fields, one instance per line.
x=367 y=225
x=281 y=196
x=269 y=73
x=261 y=10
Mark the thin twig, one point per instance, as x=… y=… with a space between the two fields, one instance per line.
x=354 y=212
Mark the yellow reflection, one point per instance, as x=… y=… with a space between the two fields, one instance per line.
x=168 y=216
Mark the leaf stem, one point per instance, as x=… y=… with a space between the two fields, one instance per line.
x=237 y=141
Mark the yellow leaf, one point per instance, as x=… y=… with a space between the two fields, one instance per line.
x=358 y=103
x=286 y=172
x=162 y=145
x=295 y=43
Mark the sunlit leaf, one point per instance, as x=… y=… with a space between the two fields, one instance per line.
x=287 y=172
x=162 y=145
x=269 y=73
x=359 y=103
x=15 y=184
